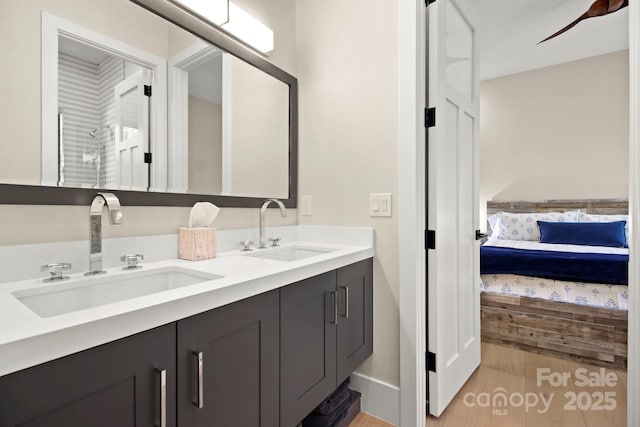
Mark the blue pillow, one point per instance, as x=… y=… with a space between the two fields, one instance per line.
x=610 y=234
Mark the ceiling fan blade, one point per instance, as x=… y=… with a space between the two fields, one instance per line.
x=567 y=28
x=598 y=8
x=615 y=5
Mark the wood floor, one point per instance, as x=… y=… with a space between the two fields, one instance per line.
x=516 y=373
x=365 y=420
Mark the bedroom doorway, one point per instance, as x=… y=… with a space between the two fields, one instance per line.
x=559 y=367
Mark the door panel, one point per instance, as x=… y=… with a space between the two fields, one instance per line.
x=453 y=267
x=239 y=348
x=132 y=132
x=116 y=384
x=355 y=316
x=307 y=346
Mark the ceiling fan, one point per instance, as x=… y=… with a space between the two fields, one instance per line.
x=598 y=8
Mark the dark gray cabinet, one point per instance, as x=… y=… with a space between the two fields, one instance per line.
x=115 y=384
x=308 y=320
x=355 y=317
x=265 y=361
x=326 y=332
x=228 y=365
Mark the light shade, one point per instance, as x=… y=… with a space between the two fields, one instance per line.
x=249 y=29
x=215 y=11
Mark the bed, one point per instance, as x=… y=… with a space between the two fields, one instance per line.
x=577 y=312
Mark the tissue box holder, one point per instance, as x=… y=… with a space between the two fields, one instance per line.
x=195 y=244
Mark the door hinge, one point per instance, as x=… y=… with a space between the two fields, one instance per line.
x=430 y=239
x=148 y=158
x=431 y=362
x=429 y=117
x=147 y=90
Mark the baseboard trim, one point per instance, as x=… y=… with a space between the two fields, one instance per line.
x=379 y=399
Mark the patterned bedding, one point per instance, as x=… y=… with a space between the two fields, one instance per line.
x=588 y=294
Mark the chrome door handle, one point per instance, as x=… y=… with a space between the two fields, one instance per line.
x=346 y=301
x=163 y=396
x=200 y=361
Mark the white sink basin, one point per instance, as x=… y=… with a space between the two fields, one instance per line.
x=75 y=295
x=289 y=253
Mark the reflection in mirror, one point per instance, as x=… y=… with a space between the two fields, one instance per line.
x=104 y=119
x=236 y=121
x=130 y=101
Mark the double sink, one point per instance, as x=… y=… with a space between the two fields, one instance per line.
x=75 y=295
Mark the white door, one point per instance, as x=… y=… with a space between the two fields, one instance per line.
x=132 y=132
x=453 y=266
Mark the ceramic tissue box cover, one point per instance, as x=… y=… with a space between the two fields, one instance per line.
x=195 y=244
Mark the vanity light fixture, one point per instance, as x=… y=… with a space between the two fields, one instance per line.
x=248 y=29
x=215 y=11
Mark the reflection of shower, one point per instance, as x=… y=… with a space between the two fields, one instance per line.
x=94 y=133
x=94 y=157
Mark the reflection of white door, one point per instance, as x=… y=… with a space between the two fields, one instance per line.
x=453 y=266
x=132 y=132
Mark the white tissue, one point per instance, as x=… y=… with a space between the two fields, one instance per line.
x=202 y=214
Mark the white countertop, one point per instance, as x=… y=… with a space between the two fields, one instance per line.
x=27 y=339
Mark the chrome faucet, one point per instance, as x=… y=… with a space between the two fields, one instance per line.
x=95 y=227
x=263 y=212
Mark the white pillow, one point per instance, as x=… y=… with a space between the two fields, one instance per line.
x=584 y=217
x=524 y=226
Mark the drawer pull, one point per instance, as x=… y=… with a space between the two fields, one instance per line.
x=163 y=397
x=346 y=301
x=334 y=305
x=200 y=362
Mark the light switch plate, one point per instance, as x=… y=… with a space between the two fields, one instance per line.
x=305 y=205
x=380 y=204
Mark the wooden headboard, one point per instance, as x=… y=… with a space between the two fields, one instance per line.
x=591 y=206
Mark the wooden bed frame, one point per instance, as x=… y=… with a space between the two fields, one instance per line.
x=596 y=336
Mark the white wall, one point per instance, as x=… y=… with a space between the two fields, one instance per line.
x=560 y=132
x=347 y=60
x=20 y=113
x=205 y=146
x=259 y=128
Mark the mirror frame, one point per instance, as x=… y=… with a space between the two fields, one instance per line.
x=16 y=194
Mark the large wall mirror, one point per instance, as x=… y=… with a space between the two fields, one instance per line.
x=113 y=96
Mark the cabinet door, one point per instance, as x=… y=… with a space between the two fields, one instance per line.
x=116 y=384
x=228 y=365
x=355 y=316
x=307 y=346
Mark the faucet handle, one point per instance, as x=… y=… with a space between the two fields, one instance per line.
x=56 y=269
x=246 y=245
x=275 y=241
x=132 y=261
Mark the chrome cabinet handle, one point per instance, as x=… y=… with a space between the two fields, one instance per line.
x=163 y=396
x=346 y=301
x=200 y=360
x=334 y=295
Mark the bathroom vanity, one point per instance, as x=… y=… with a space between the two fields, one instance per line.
x=261 y=344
